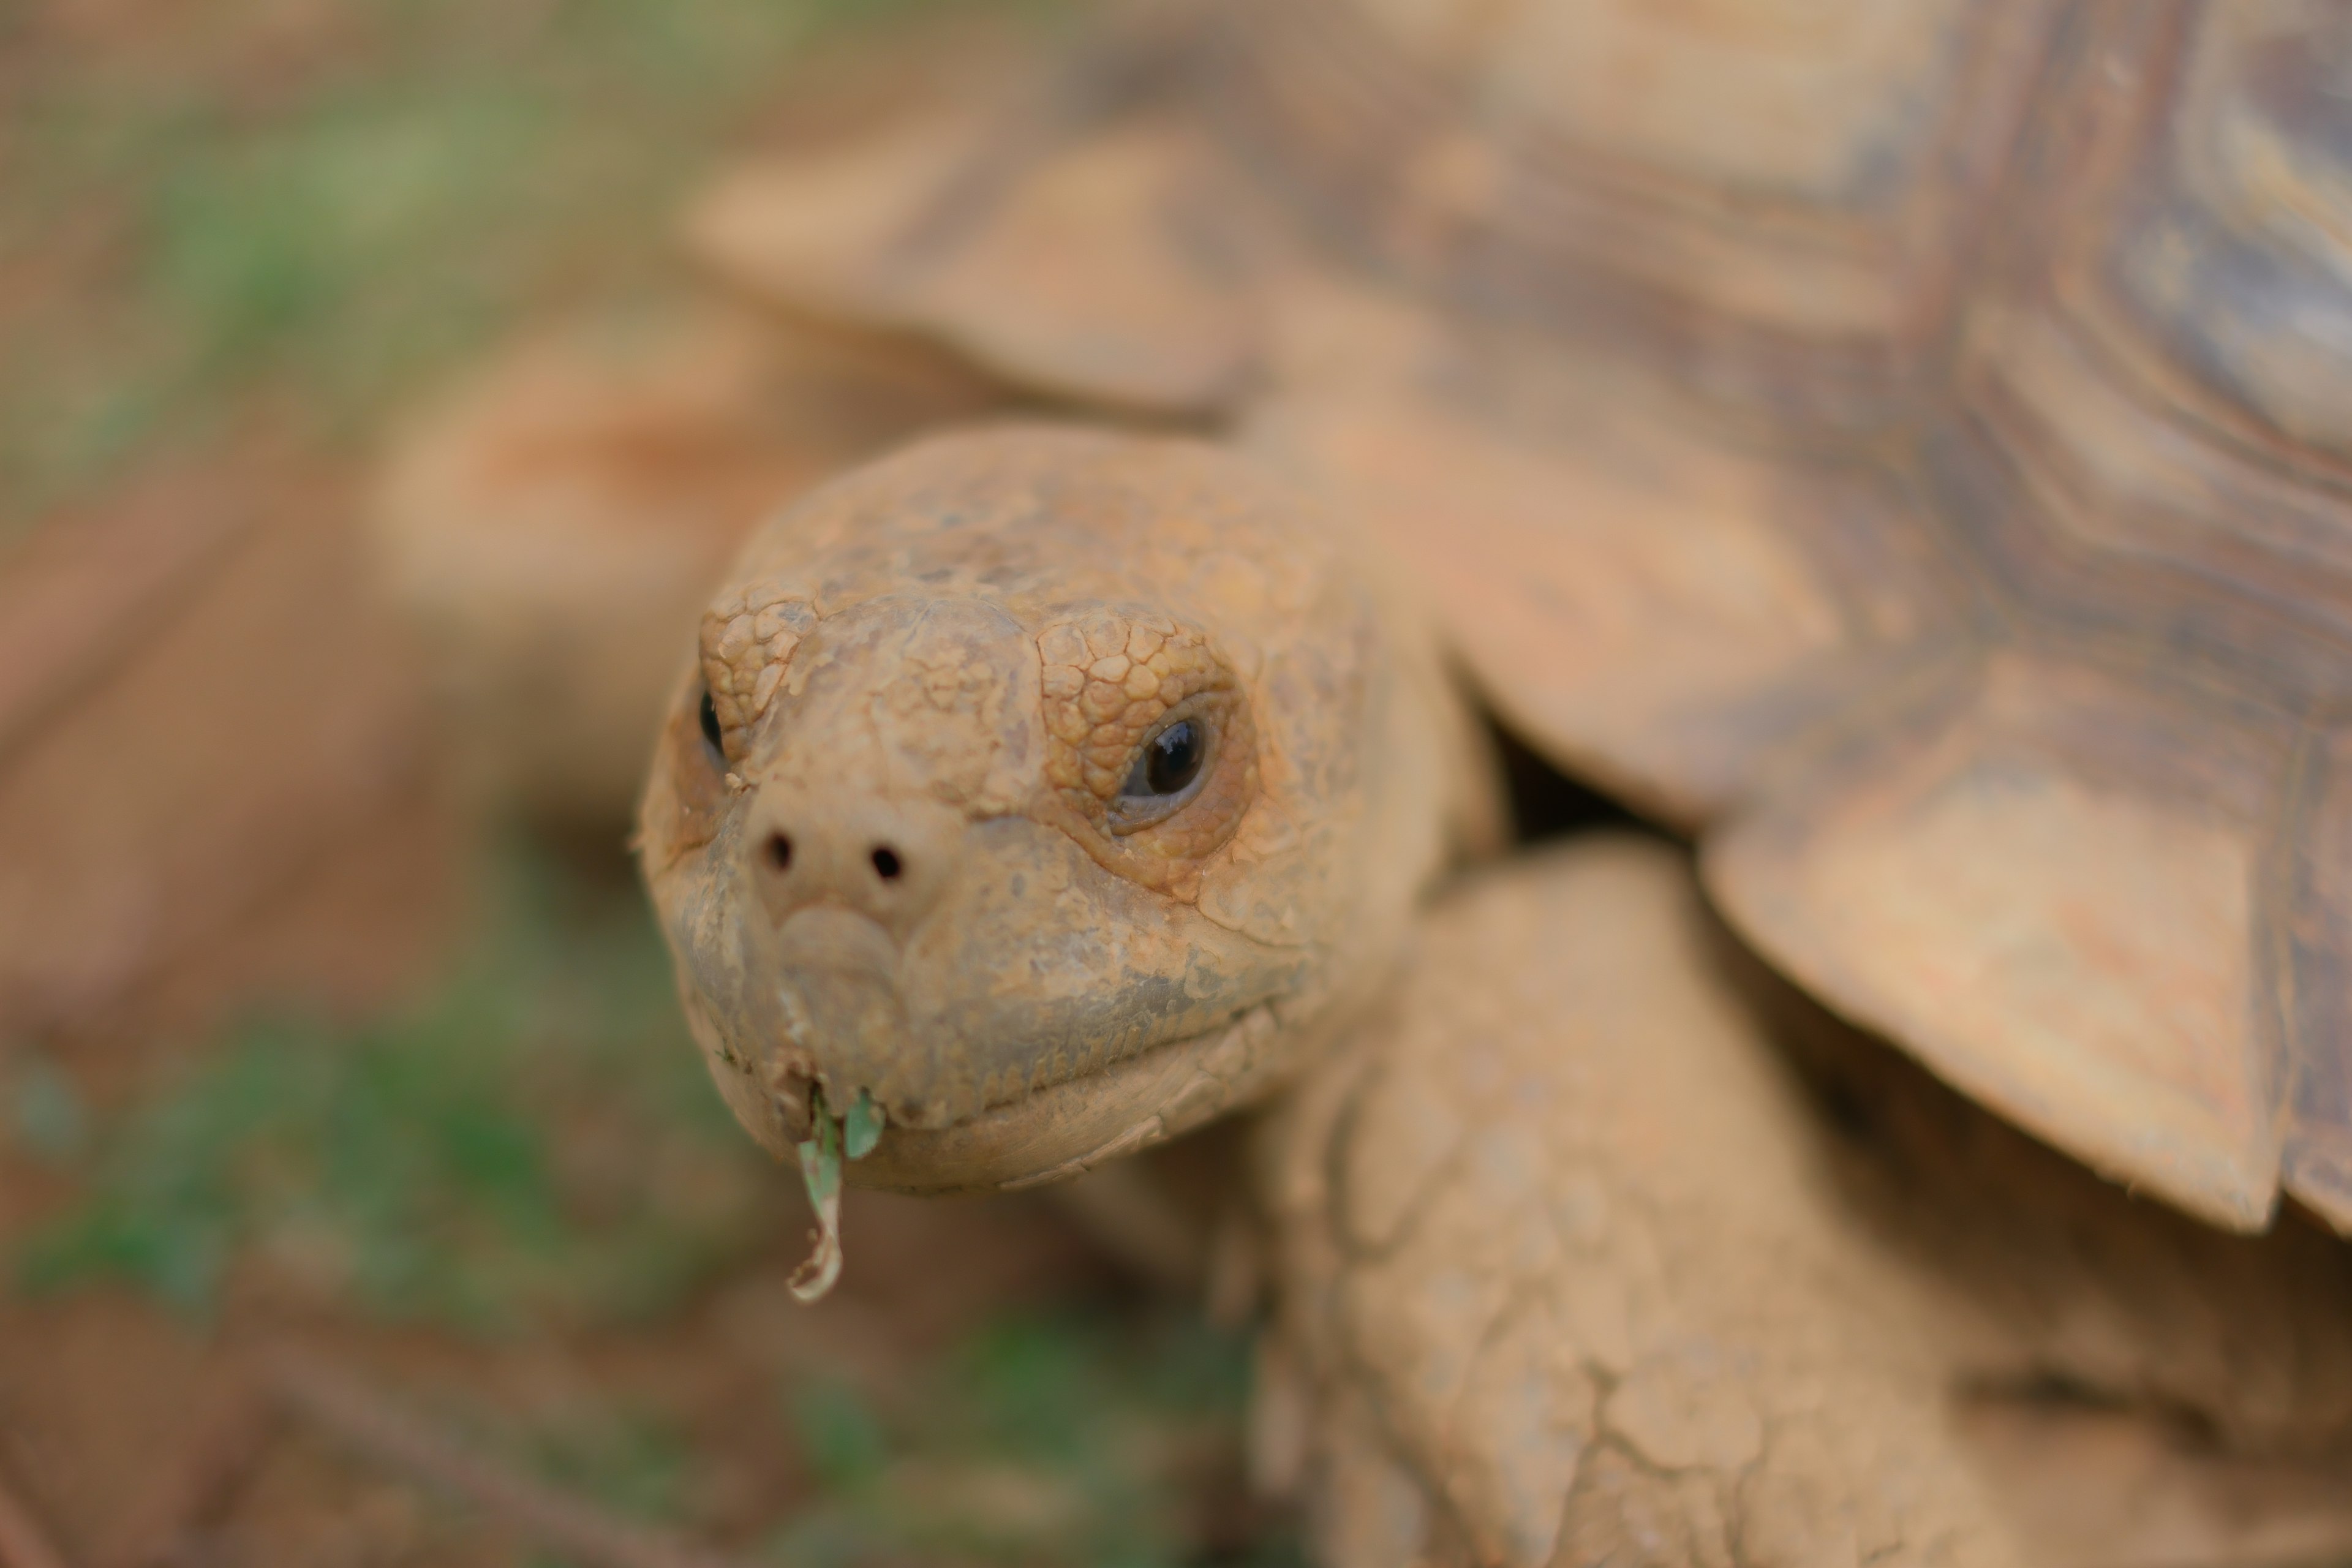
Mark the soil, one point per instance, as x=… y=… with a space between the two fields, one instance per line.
x=220 y=792
x=277 y=832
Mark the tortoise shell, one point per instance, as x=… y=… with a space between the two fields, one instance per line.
x=1907 y=446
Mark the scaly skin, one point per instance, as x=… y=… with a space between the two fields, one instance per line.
x=1571 y=1278
x=951 y=660
x=1602 y=1245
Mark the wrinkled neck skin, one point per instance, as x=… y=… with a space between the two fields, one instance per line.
x=1048 y=793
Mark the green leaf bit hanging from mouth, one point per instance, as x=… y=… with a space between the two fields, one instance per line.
x=854 y=1134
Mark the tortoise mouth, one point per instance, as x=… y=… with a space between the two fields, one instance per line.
x=1033 y=968
x=1067 y=1128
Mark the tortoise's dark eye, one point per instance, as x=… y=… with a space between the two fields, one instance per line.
x=1171 y=760
x=710 y=736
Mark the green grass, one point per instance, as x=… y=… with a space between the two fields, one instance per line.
x=198 y=237
x=534 y=1144
x=631 y=1461
x=1075 y=1437
x=535 y=1139
x=1079 y=1438
x=321 y=233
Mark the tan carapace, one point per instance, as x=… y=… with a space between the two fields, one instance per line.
x=1901 y=443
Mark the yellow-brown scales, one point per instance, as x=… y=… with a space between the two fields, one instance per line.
x=928 y=842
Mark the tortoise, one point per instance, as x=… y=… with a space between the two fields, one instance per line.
x=1897 y=445
x=1898 y=450
x=1042 y=793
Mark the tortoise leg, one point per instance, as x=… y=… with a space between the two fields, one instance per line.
x=1605 y=1245
x=1560 y=1242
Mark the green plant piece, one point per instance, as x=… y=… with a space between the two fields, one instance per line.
x=821 y=1174
x=862 y=1128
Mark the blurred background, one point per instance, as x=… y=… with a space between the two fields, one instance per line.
x=361 y=1200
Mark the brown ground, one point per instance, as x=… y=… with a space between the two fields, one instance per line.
x=277 y=835
x=219 y=794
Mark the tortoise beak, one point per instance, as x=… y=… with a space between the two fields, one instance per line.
x=841 y=1009
x=843 y=872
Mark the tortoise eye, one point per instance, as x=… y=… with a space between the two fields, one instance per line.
x=1150 y=754
x=1169 y=762
x=710 y=732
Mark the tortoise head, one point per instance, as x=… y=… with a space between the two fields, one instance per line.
x=1050 y=792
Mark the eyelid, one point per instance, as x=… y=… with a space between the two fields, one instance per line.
x=1105 y=685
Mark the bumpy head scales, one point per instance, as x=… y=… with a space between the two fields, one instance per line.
x=1036 y=796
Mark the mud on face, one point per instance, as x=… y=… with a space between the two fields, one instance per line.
x=1038 y=790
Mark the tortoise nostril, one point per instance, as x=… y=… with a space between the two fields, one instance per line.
x=886 y=863
x=780 y=852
